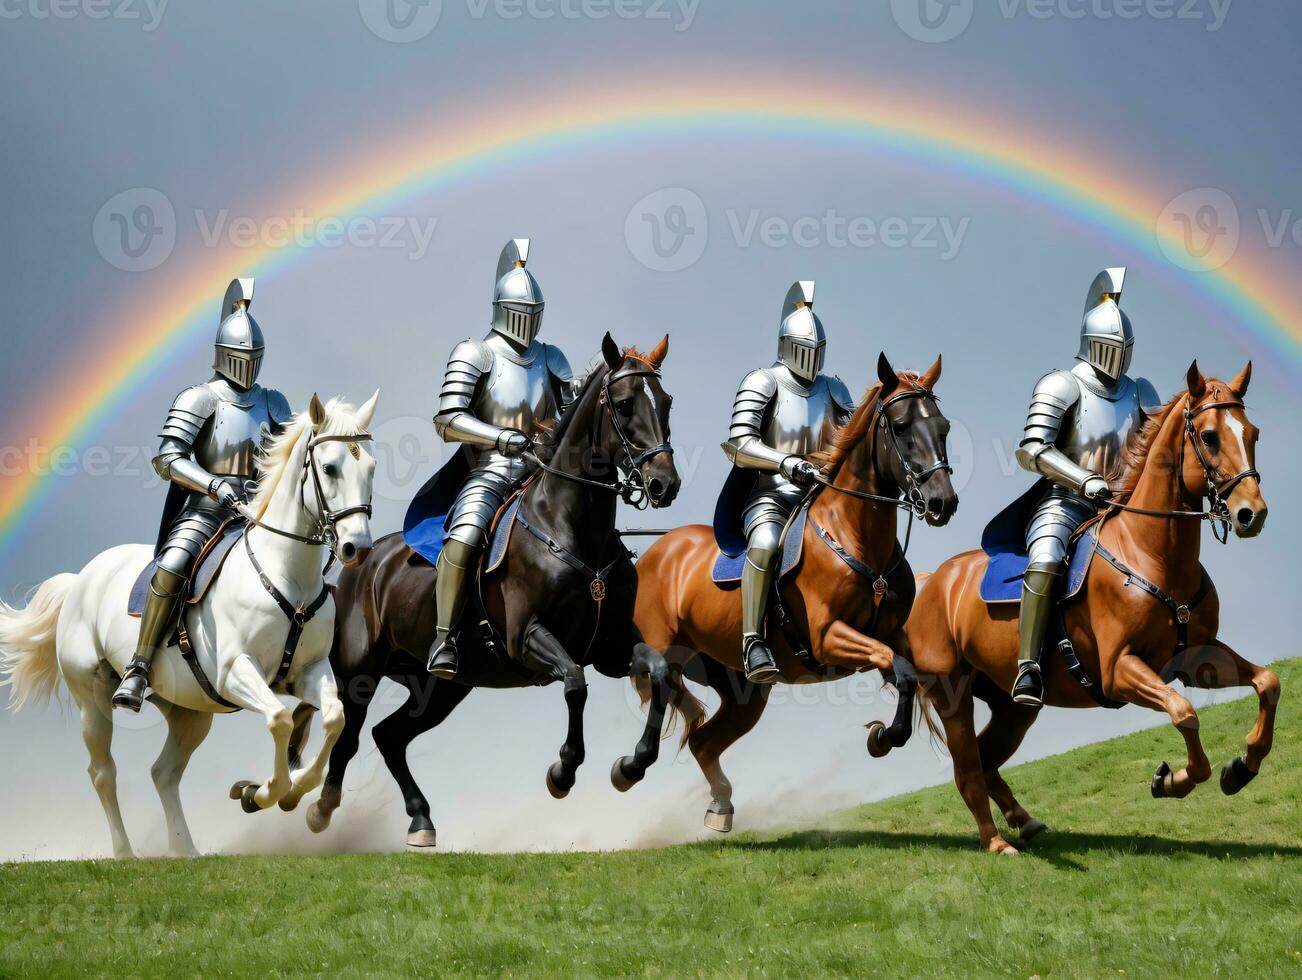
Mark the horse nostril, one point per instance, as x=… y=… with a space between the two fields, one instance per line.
x=936 y=505
x=1246 y=516
x=348 y=551
x=656 y=487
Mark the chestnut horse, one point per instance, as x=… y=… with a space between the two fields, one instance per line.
x=1148 y=612
x=893 y=444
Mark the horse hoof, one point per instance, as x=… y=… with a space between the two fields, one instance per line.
x=1235 y=775
x=619 y=777
x=1030 y=830
x=1163 y=783
x=718 y=817
x=318 y=819
x=556 y=781
x=422 y=838
x=244 y=791
x=289 y=803
x=878 y=744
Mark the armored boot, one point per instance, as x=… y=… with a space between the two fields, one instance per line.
x=757 y=658
x=156 y=622
x=454 y=565
x=1038 y=588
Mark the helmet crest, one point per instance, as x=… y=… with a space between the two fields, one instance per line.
x=517 y=297
x=237 y=354
x=801 y=340
x=1106 y=337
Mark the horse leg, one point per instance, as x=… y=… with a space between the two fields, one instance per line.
x=1216 y=666
x=356 y=699
x=186 y=730
x=997 y=742
x=429 y=702
x=969 y=775
x=549 y=658
x=1134 y=682
x=629 y=770
x=245 y=686
x=740 y=705
x=94 y=698
x=901 y=673
x=314 y=687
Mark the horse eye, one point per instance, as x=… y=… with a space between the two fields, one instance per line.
x=625 y=406
x=1210 y=439
x=331 y=470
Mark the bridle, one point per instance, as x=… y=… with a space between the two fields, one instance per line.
x=326 y=519
x=1218 y=511
x=914 y=500
x=631 y=486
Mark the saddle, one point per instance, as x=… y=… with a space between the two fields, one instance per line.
x=727 y=570
x=1002 y=581
x=210 y=561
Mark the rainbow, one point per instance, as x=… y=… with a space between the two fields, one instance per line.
x=1074 y=180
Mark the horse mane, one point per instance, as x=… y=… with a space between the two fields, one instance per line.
x=852 y=433
x=552 y=437
x=278 y=449
x=1125 y=472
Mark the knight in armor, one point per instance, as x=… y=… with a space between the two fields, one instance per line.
x=781 y=414
x=207 y=451
x=1075 y=429
x=497 y=393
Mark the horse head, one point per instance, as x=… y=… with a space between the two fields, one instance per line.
x=338 y=475
x=1223 y=461
x=909 y=441
x=638 y=409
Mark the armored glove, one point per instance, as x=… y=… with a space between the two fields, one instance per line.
x=799 y=471
x=512 y=443
x=1096 y=488
x=225 y=494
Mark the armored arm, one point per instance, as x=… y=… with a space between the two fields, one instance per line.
x=175 y=460
x=455 y=422
x=1055 y=395
x=745 y=446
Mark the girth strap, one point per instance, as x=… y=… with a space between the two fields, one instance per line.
x=1181 y=613
x=298 y=618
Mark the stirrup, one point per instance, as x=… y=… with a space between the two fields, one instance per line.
x=1028 y=689
x=757 y=659
x=443 y=659
x=130 y=693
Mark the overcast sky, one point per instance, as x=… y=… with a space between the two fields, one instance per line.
x=230 y=111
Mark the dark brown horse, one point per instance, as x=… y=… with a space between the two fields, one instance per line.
x=562 y=598
x=850 y=614
x=1148 y=612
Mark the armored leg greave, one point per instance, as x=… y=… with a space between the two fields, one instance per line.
x=1038 y=588
x=455 y=563
x=161 y=605
x=756 y=579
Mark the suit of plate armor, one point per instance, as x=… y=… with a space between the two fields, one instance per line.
x=207 y=452
x=497 y=393
x=781 y=414
x=1077 y=424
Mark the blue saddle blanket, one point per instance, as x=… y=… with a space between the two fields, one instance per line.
x=728 y=568
x=206 y=568
x=1002 y=581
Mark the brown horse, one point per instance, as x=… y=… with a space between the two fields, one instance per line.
x=894 y=443
x=1148 y=612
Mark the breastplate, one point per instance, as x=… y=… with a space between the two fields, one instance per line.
x=799 y=419
x=518 y=392
x=229 y=443
x=1098 y=425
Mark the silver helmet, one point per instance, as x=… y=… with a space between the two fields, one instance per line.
x=517 y=297
x=801 y=341
x=1106 y=338
x=238 y=353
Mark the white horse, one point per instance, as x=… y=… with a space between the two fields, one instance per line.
x=315 y=491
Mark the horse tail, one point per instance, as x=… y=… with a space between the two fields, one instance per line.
x=28 y=654
x=683 y=705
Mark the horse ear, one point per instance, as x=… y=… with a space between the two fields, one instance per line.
x=1240 y=384
x=657 y=355
x=886 y=374
x=317 y=411
x=931 y=375
x=611 y=352
x=367 y=412
x=1197 y=383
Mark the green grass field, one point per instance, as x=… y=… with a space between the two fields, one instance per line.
x=1125 y=885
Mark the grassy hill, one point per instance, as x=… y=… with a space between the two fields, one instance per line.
x=1125 y=885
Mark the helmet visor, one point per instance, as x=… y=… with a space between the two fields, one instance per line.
x=804 y=360
x=239 y=365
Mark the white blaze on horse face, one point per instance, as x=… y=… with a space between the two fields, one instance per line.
x=1237 y=428
x=352 y=488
